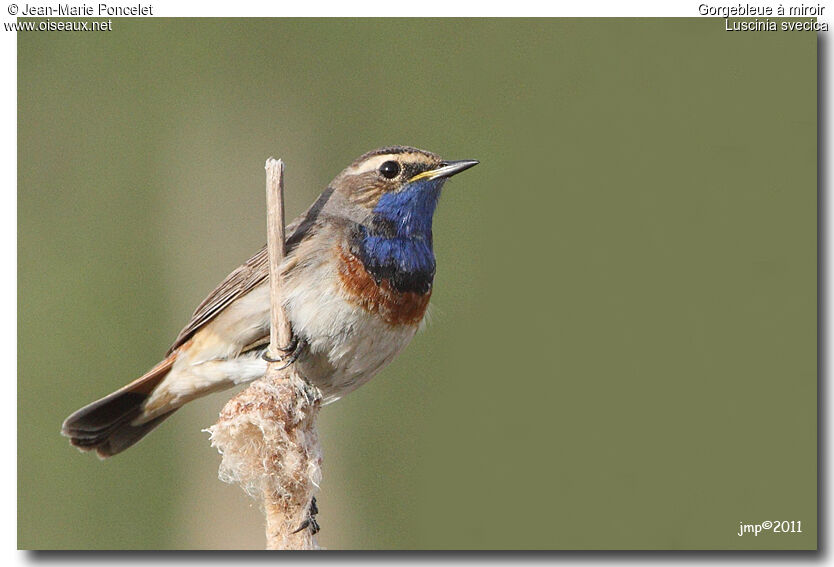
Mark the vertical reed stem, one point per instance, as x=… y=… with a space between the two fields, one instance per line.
x=266 y=434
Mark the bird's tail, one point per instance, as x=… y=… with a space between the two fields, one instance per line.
x=107 y=425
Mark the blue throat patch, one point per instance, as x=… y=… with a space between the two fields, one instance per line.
x=398 y=244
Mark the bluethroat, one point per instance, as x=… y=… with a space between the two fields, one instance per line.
x=356 y=282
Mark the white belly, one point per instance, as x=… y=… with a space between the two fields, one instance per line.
x=347 y=345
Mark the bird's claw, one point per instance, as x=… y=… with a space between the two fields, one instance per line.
x=293 y=350
x=310 y=522
x=290 y=347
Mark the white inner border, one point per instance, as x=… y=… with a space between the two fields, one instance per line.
x=249 y=8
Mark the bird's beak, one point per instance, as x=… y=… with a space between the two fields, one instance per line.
x=446 y=169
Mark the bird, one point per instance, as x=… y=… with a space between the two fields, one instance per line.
x=356 y=281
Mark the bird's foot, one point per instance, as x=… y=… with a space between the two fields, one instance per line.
x=310 y=522
x=291 y=352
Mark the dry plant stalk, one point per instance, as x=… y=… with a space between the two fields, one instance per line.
x=266 y=434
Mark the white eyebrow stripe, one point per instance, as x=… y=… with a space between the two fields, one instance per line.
x=371 y=164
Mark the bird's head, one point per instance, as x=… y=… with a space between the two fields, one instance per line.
x=390 y=195
x=397 y=187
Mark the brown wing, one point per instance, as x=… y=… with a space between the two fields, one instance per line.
x=246 y=277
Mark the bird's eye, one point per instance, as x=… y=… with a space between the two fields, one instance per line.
x=390 y=169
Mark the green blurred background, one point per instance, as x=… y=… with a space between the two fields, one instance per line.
x=622 y=348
